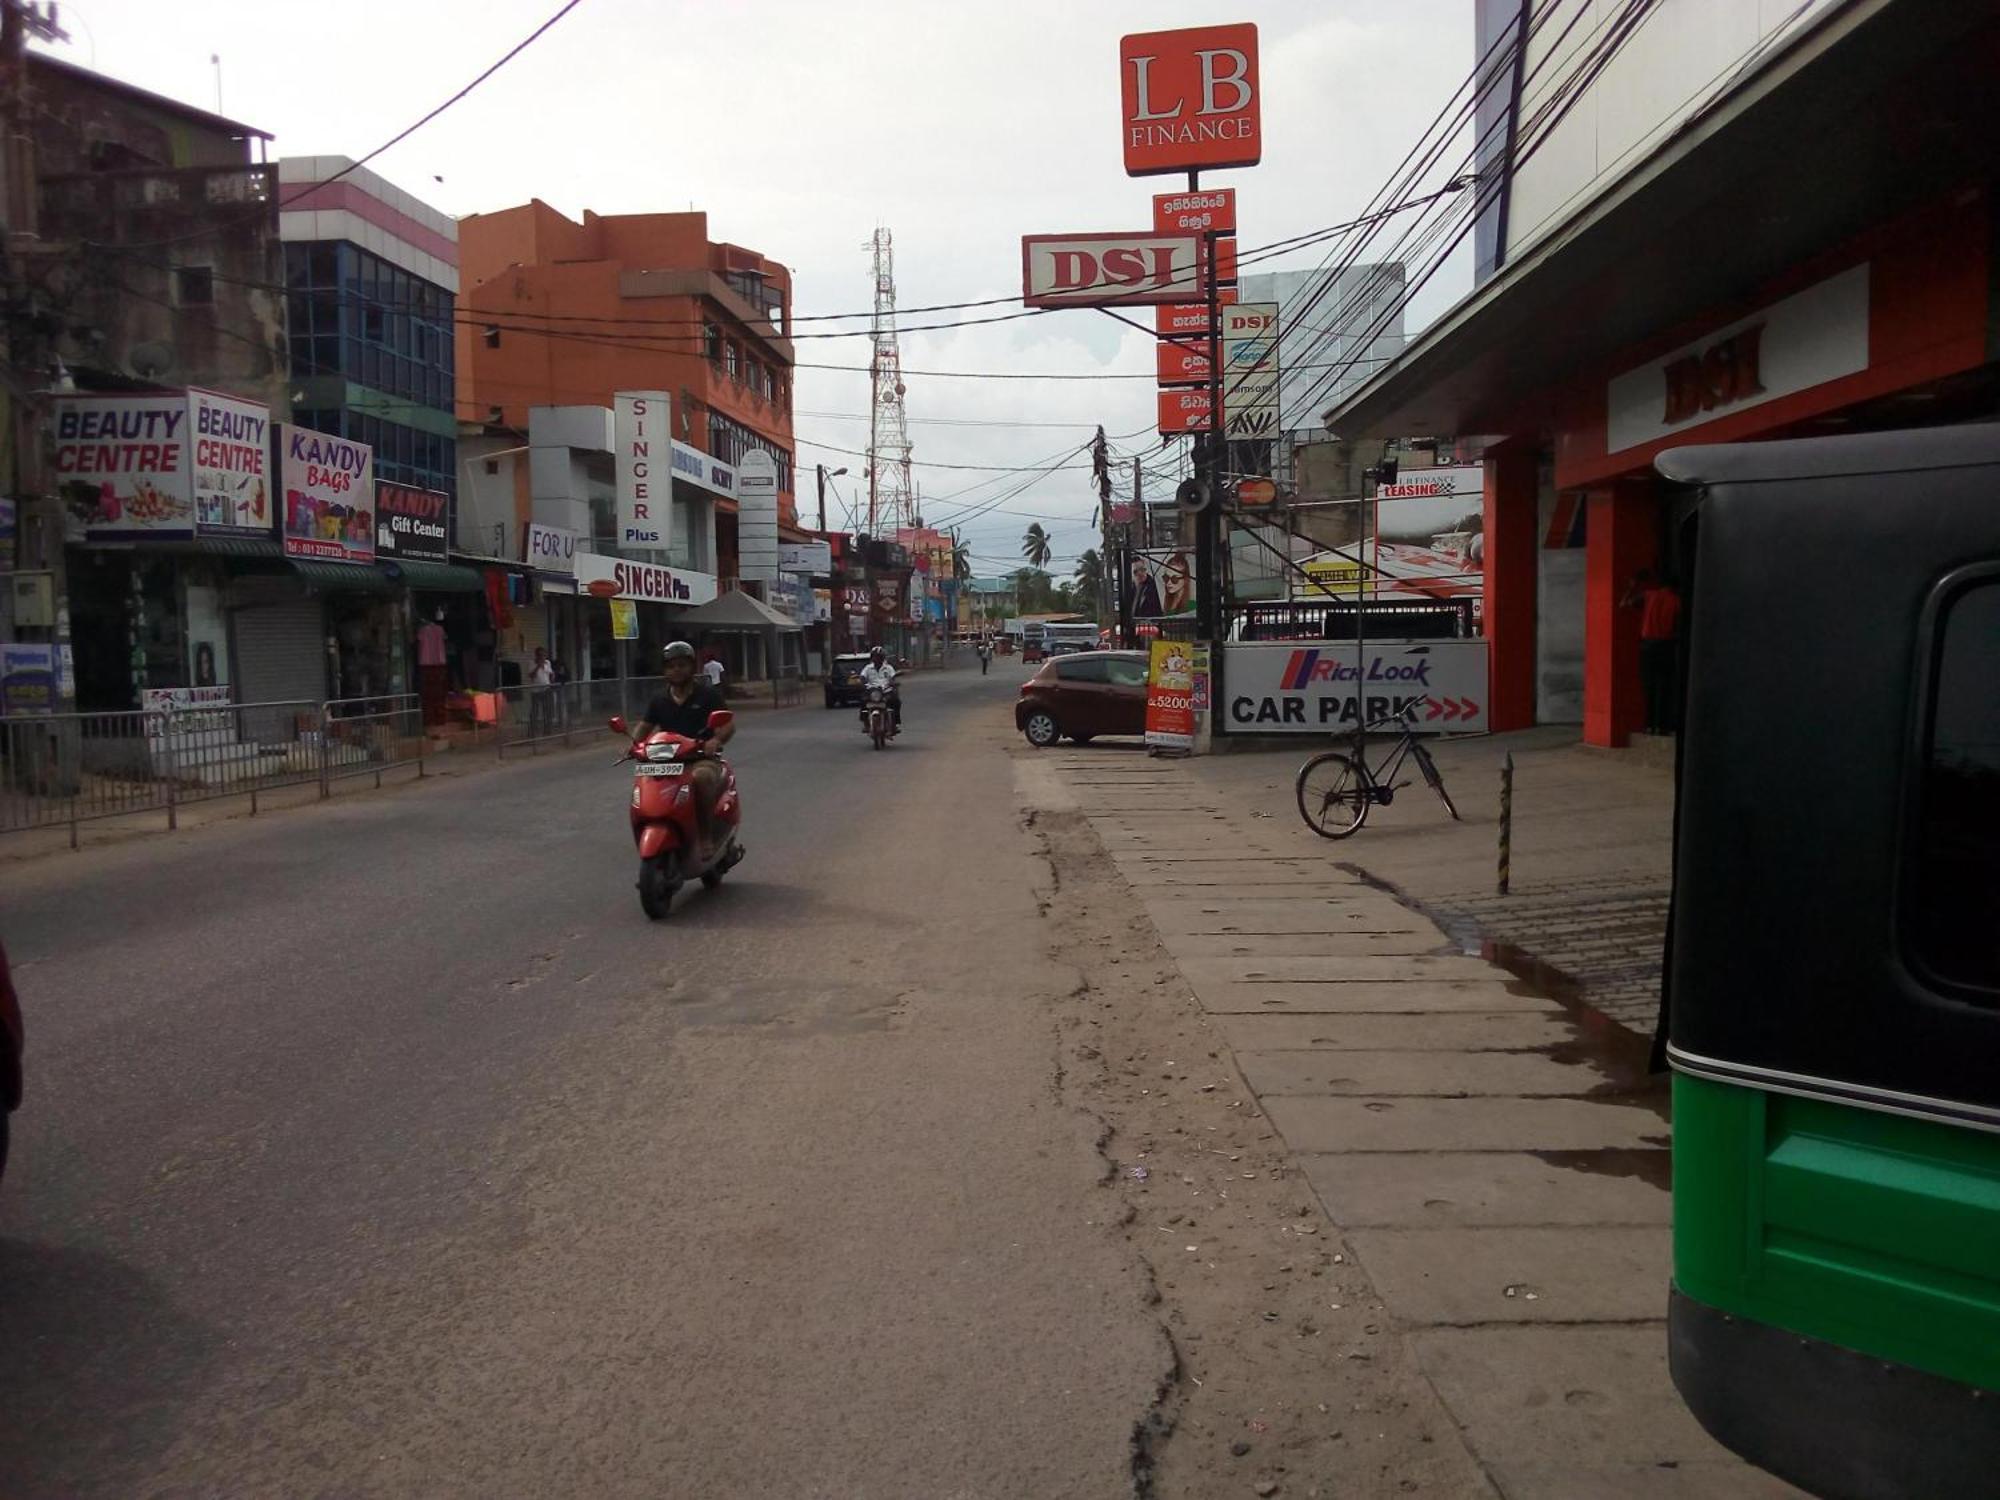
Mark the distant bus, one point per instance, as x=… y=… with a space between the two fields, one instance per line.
x=1057 y=639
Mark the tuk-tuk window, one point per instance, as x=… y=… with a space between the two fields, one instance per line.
x=1953 y=924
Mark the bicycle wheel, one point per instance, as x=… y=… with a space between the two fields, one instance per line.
x=1333 y=795
x=1430 y=770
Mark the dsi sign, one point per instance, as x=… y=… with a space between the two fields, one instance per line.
x=1314 y=687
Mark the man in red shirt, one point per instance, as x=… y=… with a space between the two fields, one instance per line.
x=1659 y=635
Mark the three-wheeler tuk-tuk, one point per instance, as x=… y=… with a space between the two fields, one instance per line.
x=1833 y=974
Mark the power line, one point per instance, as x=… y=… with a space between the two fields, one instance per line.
x=397 y=139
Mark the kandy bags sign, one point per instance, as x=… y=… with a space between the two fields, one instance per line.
x=328 y=485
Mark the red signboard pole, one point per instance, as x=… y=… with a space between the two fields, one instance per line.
x=1207 y=521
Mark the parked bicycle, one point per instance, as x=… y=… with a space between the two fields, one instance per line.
x=1335 y=789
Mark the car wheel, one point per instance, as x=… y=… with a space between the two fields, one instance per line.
x=1041 y=729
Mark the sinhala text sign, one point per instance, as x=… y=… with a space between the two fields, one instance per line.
x=1313 y=687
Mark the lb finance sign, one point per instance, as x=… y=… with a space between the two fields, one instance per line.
x=1190 y=99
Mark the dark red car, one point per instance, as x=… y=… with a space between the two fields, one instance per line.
x=1084 y=694
x=10 y=1054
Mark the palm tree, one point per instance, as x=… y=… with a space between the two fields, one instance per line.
x=1090 y=580
x=1035 y=545
x=961 y=560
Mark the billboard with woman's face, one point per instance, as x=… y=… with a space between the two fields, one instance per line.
x=1162 y=582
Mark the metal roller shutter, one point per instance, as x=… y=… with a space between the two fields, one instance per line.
x=281 y=652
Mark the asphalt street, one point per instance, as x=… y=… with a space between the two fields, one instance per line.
x=384 y=1148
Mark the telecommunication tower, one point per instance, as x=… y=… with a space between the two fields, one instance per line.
x=891 y=499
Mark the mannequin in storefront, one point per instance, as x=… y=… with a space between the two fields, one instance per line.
x=431 y=681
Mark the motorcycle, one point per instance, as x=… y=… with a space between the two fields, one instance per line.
x=878 y=719
x=665 y=824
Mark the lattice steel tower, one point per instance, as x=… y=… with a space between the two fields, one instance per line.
x=891 y=499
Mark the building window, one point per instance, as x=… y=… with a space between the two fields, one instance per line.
x=711 y=342
x=1954 y=902
x=194 y=286
x=730 y=360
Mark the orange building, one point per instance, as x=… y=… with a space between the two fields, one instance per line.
x=556 y=313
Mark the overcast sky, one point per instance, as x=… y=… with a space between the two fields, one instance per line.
x=799 y=125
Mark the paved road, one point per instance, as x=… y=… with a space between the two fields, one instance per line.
x=383 y=1148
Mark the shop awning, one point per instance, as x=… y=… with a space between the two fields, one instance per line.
x=344 y=578
x=436 y=577
x=737 y=611
x=208 y=545
x=1831 y=135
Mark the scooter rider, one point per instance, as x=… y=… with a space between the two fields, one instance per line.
x=879 y=674
x=683 y=709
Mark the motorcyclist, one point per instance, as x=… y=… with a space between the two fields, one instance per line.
x=879 y=674
x=683 y=708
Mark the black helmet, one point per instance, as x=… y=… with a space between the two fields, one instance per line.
x=679 y=651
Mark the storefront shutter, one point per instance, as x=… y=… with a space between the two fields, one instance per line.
x=281 y=652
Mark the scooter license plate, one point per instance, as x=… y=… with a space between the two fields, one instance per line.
x=664 y=768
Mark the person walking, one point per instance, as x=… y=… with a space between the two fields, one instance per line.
x=541 y=694
x=1659 y=607
x=985 y=654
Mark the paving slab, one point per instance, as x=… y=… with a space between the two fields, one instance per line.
x=1264 y=877
x=1525 y=1075
x=1725 y=1479
x=1289 y=914
x=1281 y=970
x=1352 y=943
x=1511 y=1029
x=1409 y=997
x=1462 y=1124
x=1575 y=1273
x=1600 y=1398
x=1389 y=1189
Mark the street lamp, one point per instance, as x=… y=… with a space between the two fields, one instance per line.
x=823 y=477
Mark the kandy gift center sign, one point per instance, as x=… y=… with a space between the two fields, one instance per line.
x=1190 y=99
x=1313 y=687
x=329 y=490
x=639 y=425
x=649 y=582
x=412 y=525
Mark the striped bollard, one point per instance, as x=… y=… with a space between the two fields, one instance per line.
x=1506 y=822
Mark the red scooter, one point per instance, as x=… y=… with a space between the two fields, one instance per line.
x=664 y=823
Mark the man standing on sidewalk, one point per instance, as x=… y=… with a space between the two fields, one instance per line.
x=1659 y=609
x=541 y=694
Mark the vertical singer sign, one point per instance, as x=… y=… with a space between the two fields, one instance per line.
x=639 y=428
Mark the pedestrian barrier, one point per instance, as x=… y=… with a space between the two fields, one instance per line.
x=365 y=736
x=788 y=691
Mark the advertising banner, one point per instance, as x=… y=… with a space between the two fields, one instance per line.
x=1189 y=99
x=1430 y=534
x=1170 y=696
x=652 y=583
x=854 y=598
x=698 y=469
x=624 y=620
x=232 y=465
x=8 y=526
x=1189 y=319
x=123 y=462
x=640 y=434
x=888 y=600
x=1315 y=687
x=1184 y=409
x=822 y=606
x=1250 y=369
x=1181 y=362
x=1332 y=575
x=1162 y=582
x=549 y=549
x=757 y=517
x=329 y=486
x=813 y=558
x=27 y=678
x=412 y=525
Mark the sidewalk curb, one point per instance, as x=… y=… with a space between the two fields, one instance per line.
x=1497 y=1159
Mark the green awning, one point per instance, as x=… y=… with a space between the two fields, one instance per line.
x=344 y=578
x=437 y=577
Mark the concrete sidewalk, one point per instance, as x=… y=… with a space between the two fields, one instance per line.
x=1496 y=1157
